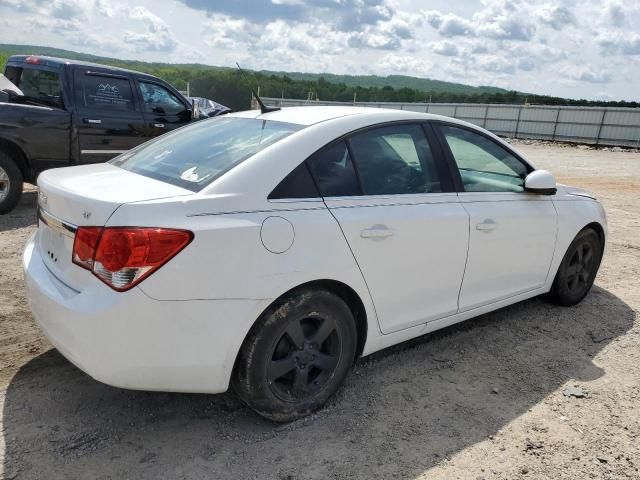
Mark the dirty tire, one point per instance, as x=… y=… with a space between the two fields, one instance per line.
x=296 y=356
x=578 y=269
x=11 y=174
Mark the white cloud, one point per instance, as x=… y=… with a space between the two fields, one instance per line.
x=446 y=48
x=616 y=14
x=498 y=19
x=559 y=47
x=591 y=76
x=557 y=16
x=626 y=44
x=157 y=37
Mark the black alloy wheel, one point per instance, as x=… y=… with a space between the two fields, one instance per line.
x=578 y=269
x=297 y=355
x=304 y=358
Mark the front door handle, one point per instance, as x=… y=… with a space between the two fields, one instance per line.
x=92 y=121
x=487 y=225
x=376 y=232
x=159 y=125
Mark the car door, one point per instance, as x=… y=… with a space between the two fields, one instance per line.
x=512 y=232
x=163 y=110
x=391 y=194
x=107 y=117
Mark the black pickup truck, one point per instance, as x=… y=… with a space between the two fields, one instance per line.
x=65 y=112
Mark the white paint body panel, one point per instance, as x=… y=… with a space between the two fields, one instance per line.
x=512 y=241
x=182 y=327
x=414 y=262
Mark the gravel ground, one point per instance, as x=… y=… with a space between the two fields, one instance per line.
x=532 y=391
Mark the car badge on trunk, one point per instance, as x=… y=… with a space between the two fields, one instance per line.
x=86 y=215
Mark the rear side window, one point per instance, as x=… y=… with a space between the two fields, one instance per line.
x=298 y=184
x=395 y=160
x=194 y=156
x=103 y=92
x=157 y=99
x=333 y=171
x=41 y=85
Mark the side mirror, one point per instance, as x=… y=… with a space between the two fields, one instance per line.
x=541 y=182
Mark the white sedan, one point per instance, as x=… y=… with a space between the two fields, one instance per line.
x=267 y=251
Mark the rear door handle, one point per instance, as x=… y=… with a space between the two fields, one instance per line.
x=487 y=225
x=376 y=232
x=159 y=125
x=92 y=121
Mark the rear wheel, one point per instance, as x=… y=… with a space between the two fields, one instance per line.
x=297 y=356
x=10 y=183
x=578 y=269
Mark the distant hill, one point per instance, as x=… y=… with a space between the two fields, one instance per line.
x=10 y=49
x=227 y=86
x=395 y=81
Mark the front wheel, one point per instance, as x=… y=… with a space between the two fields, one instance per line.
x=297 y=355
x=578 y=269
x=10 y=183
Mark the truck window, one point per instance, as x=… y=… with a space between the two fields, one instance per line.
x=39 y=85
x=157 y=99
x=103 y=92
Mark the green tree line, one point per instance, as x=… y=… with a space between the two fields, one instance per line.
x=229 y=87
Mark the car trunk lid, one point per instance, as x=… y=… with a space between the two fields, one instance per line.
x=86 y=196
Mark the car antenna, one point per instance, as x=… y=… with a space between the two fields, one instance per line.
x=263 y=107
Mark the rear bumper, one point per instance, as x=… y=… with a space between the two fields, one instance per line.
x=129 y=340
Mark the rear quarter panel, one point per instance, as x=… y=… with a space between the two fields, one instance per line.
x=227 y=259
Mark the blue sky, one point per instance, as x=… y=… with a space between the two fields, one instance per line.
x=568 y=48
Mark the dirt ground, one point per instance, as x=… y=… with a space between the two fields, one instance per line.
x=486 y=399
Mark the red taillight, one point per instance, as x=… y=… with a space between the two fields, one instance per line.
x=85 y=244
x=123 y=256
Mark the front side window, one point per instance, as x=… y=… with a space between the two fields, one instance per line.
x=103 y=92
x=484 y=165
x=157 y=99
x=194 y=156
x=395 y=159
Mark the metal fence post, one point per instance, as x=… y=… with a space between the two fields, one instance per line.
x=518 y=121
x=555 y=125
x=604 y=114
x=455 y=111
x=486 y=113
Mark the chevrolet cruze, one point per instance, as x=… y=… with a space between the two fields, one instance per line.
x=267 y=251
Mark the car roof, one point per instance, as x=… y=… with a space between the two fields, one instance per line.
x=310 y=115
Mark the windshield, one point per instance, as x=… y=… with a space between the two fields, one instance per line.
x=194 y=156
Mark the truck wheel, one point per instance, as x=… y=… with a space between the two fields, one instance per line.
x=10 y=183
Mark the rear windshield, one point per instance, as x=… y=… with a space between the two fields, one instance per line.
x=195 y=156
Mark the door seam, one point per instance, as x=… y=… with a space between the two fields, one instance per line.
x=373 y=304
x=466 y=260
